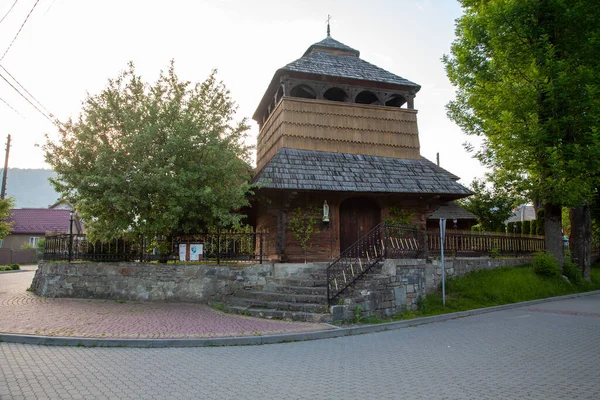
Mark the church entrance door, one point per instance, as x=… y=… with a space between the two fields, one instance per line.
x=358 y=215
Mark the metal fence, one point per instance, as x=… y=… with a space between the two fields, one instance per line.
x=214 y=247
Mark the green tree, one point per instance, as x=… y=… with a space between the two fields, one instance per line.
x=304 y=224
x=527 y=80
x=153 y=159
x=491 y=205
x=5 y=224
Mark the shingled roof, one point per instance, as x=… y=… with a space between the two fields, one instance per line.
x=319 y=170
x=452 y=211
x=39 y=220
x=347 y=64
x=332 y=58
x=331 y=43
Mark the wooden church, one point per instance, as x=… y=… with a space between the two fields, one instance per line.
x=340 y=135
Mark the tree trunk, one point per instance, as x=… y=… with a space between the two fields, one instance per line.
x=581 y=238
x=553 y=231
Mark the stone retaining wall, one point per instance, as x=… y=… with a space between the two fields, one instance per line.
x=397 y=285
x=134 y=281
x=402 y=284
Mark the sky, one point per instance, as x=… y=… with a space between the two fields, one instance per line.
x=69 y=48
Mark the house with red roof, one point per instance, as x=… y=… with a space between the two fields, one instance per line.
x=30 y=225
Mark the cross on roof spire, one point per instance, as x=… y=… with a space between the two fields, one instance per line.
x=328 y=29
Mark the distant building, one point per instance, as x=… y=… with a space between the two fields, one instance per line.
x=30 y=225
x=456 y=217
x=522 y=213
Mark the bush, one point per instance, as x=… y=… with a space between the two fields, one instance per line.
x=14 y=267
x=527 y=227
x=544 y=264
x=533 y=227
x=519 y=226
x=510 y=227
x=540 y=222
x=573 y=272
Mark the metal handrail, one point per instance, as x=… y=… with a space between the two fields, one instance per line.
x=358 y=259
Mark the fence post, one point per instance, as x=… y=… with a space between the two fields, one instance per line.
x=261 y=246
x=71 y=236
x=218 y=246
x=425 y=245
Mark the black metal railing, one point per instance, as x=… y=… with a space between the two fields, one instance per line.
x=383 y=241
x=226 y=246
x=78 y=247
x=206 y=247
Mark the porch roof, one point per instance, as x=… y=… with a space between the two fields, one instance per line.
x=319 y=170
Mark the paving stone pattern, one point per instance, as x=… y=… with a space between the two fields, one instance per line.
x=517 y=354
x=25 y=313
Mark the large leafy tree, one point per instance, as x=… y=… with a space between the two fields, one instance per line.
x=153 y=159
x=491 y=205
x=5 y=223
x=527 y=77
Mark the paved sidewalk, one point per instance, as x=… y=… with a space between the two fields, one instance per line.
x=22 y=312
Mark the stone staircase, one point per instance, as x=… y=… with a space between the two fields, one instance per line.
x=299 y=295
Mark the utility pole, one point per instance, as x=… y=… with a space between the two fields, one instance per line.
x=3 y=194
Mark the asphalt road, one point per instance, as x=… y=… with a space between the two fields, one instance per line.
x=546 y=351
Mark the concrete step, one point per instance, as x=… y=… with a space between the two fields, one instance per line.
x=304 y=282
x=289 y=297
x=279 y=305
x=271 y=313
x=316 y=290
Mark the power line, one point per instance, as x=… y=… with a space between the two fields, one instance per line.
x=11 y=107
x=22 y=25
x=8 y=12
x=29 y=101
x=27 y=91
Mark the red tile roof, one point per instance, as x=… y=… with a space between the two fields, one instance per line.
x=39 y=220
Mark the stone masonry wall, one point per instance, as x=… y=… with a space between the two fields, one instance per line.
x=398 y=285
x=401 y=284
x=134 y=281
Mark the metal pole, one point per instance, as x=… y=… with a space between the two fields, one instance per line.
x=261 y=247
x=442 y=237
x=5 y=173
x=70 y=235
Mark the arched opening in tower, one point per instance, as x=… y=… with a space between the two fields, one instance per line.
x=335 y=94
x=303 y=91
x=366 y=97
x=396 y=100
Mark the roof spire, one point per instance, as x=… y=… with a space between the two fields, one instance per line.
x=328 y=29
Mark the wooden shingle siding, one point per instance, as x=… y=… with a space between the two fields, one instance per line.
x=339 y=127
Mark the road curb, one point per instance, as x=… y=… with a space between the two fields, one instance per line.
x=269 y=339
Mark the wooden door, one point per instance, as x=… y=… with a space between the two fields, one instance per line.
x=358 y=216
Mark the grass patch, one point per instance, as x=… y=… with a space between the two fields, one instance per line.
x=487 y=288
x=11 y=267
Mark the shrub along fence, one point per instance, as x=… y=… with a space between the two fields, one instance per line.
x=205 y=247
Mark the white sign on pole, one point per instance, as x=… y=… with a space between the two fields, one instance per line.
x=182 y=252
x=442 y=243
x=195 y=251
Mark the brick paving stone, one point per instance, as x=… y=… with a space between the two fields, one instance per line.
x=22 y=312
x=512 y=354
